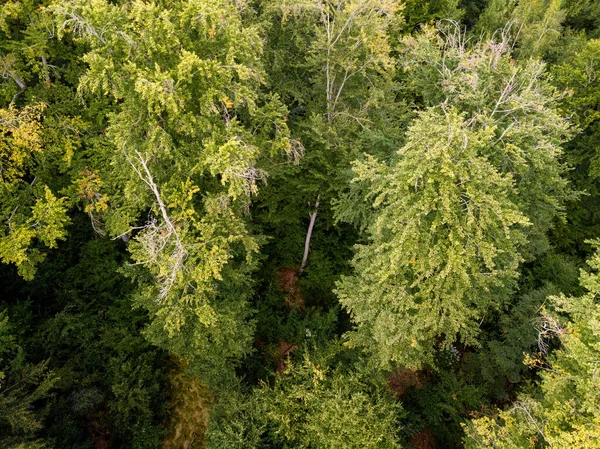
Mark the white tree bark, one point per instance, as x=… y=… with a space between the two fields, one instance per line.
x=313 y=217
x=158 y=238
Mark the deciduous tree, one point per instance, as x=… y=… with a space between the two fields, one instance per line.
x=451 y=215
x=563 y=411
x=186 y=143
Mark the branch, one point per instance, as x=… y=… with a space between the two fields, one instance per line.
x=311 y=225
x=156 y=238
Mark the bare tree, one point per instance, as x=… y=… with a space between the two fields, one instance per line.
x=161 y=240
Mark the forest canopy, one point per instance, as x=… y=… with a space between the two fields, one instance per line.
x=299 y=224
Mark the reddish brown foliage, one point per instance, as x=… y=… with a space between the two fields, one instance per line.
x=401 y=380
x=98 y=430
x=288 y=280
x=422 y=440
x=285 y=349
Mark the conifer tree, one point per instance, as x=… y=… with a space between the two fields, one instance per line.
x=21 y=384
x=317 y=401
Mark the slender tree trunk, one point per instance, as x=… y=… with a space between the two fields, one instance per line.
x=313 y=217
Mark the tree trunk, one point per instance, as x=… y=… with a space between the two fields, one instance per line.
x=313 y=217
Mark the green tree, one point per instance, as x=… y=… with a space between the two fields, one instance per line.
x=583 y=15
x=331 y=63
x=46 y=135
x=451 y=215
x=443 y=245
x=21 y=384
x=576 y=72
x=30 y=211
x=536 y=25
x=184 y=152
x=563 y=413
x=316 y=402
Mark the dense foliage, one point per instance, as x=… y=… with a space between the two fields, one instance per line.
x=299 y=224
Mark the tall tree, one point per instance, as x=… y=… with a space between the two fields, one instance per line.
x=451 y=217
x=563 y=413
x=183 y=157
x=331 y=63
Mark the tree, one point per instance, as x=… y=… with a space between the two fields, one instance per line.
x=576 y=72
x=330 y=61
x=316 y=402
x=38 y=138
x=583 y=14
x=190 y=128
x=349 y=47
x=536 y=24
x=30 y=210
x=563 y=413
x=451 y=215
x=21 y=384
x=443 y=245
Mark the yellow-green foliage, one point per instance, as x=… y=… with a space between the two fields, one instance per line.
x=30 y=211
x=480 y=171
x=564 y=412
x=312 y=403
x=186 y=143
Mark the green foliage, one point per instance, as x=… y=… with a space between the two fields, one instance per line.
x=186 y=144
x=138 y=230
x=564 y=411
x=340 y=45
x=578 y=77
x=448 y=238
x=498 y=366
x=442 y=401
x=515 y=100
x=451 y=212
x=108 y=380
x=314 y=403
x=536 y=25
x=575 y=72
x=40 y=133
x=427 y=12
x=21 y=385
x=583 y=15
x=331 y=63
x=473 y=10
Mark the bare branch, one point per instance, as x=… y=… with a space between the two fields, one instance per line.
x=161 y=242
x=313 y=217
